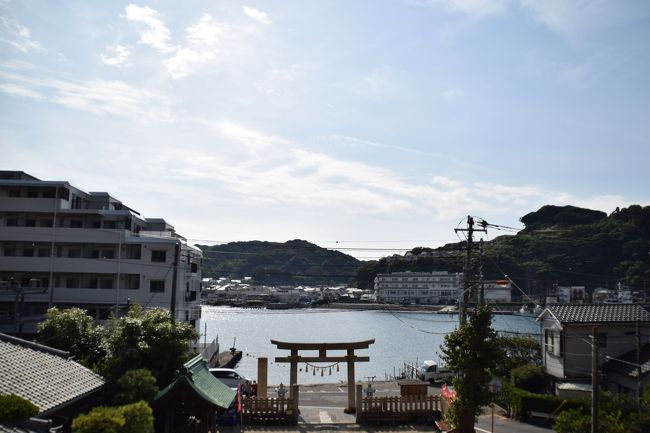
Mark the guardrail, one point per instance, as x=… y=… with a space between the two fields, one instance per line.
x=260 y=410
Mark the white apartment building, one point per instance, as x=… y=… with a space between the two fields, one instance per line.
x=418 y=287
x=497 y=291
x=62 y=246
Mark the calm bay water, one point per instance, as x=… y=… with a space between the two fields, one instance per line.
x=399 y=337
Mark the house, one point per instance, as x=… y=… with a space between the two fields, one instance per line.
x=566 y=332
x=60 y=387
x=62 y=246
x=418 y=287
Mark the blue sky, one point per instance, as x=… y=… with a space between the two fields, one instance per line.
x=377 y=124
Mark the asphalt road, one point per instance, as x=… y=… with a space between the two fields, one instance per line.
x=324 y=404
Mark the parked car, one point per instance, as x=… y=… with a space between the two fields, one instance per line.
x=430 y=372
x=228 y=376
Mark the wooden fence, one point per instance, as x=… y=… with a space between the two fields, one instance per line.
x=397 y=409
x=259 y=410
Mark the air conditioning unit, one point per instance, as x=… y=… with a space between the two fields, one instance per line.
x=35 y=282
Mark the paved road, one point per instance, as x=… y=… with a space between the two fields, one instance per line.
x=322 y=406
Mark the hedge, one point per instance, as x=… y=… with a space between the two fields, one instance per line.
x=14 y=408
x=520 y=402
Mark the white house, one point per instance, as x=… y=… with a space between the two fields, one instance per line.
x=62 y=246
x=566 y=332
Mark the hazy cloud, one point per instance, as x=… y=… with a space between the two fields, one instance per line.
x=117 y=56
x=470 y=8
x=17 y=35
x=256 y=14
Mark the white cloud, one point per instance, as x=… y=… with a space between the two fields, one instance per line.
x=202 y=38
x=153 y=32
x=94 y=96
x=470 y=8
x=117 y=56
x=256 y=14
x=18 y=36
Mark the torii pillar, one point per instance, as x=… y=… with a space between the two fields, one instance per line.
x=350 y=358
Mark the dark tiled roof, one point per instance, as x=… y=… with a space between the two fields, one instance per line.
x=626 y=364
x=43 y=375
x=598 y=313
x=195 y=375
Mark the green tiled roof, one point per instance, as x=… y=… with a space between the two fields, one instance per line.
x=196 y=375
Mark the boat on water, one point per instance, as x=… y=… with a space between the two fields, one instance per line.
x=529 y=310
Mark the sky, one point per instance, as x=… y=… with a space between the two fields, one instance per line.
x=368 y=126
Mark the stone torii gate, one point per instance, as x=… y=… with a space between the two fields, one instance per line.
x=322 y=349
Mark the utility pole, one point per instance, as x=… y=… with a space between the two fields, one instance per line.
x=638 y=367
x=468 y=266
x=172 y=308
x=480 y=273
x=595 y=397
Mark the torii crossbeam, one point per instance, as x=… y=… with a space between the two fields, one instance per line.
x=322 y=349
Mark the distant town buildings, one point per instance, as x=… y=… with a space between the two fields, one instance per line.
x=418 y=287
x=62 y=246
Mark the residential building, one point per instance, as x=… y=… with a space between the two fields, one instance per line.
x=494 y=291
x=60 y=387
x=566 y=295
x=566 y=332
x=418 y=287
x=62 y=246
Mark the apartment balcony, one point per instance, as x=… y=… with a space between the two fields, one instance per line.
x=62 y=235
x=29 y=204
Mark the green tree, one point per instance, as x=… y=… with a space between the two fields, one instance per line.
x=572 y=421
x=530 y=377
x=14 y=408
x=473 y=352
x=131 y=418
x=518 y=351
x=147 y=339
x=101 y=419
x=136 y=385
x=74 y=331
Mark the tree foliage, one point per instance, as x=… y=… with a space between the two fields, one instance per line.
x=473 y=352
x=532 y=378
x=518 y=351
x=14 y=408
x=74 y=331
x=136 y=385
x=146 y=339
x=131 y=418
x=292 y=262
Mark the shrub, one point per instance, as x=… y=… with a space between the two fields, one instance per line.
x=136 y=385
x=519 y=402
x=14 y=408
x=530 y=377
x=572 y=421
x=131 y=418
x=99 y=420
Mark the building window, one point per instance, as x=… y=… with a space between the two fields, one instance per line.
x=108 y=254
x=602 y=339
x=158 y=256
x=106 y=283
x=157 y=286
x=44 y=252
x=12 y=222
x=76 y=224
x=30 y=223
x=548 y=341
x=46 y=223
x=133 y=251
x=72 y=283
x=74 y=253
x=109 y=224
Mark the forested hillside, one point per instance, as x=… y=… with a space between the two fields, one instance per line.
x=567 y=245
x=292 y=262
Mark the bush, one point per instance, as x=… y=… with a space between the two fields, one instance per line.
x=572 y=421
x=131 y=418
x=136 y=385
x=530 y=377
x=99 y=420
x=14 y=408
x=520 y=402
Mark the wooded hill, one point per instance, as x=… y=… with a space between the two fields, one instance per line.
x=292 y=262
x=565 y=245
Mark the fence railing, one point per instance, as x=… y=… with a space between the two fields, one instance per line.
x=398 y=408
x=259 y=410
